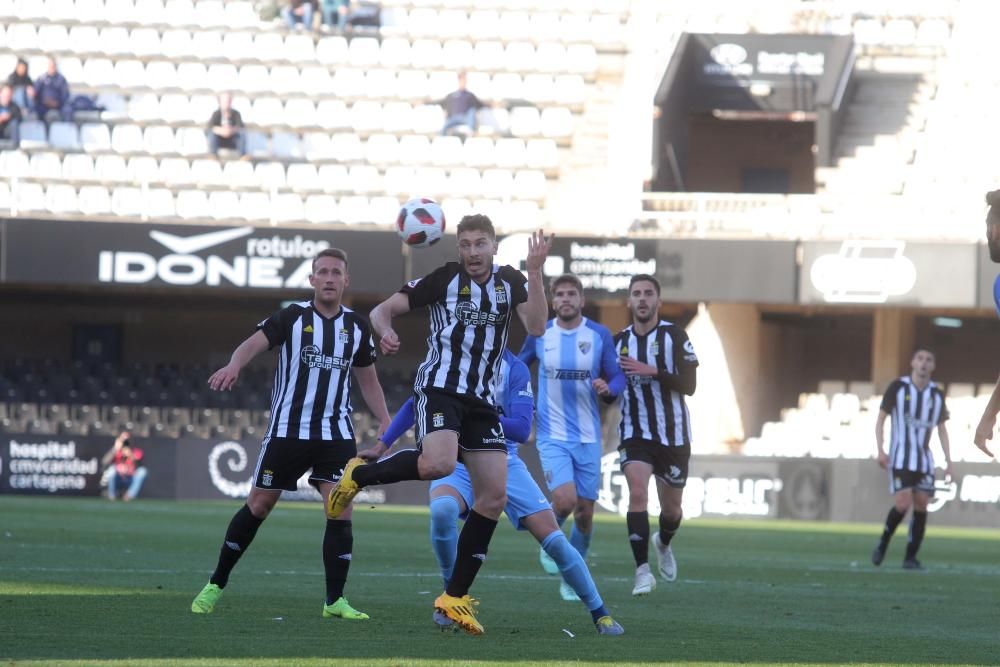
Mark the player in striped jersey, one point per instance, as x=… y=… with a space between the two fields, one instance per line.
x=471 y=303
x=527 y=508
x=660 y=365
x=916 y=406
x=576 y=364
x=987 y=423
x=320 y=343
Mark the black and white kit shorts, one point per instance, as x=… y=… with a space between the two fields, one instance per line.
x=670 y=463
x=282 y=461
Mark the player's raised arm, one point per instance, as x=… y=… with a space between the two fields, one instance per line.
x=224 y=378
x=535 y=311
x=381 y=320
x=987 y=422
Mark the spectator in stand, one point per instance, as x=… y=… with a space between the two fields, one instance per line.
x=10 y=119
x=225 y=127
x=52 y=94
x=298 y=13
x=335 y=13
x=364 y=13
x=125 y=470
x=20 y=82
x=460 y=108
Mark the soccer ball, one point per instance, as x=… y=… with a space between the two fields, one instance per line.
x=420 y=222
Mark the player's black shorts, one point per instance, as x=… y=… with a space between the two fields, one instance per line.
x=670 y=463
x=911 y=479
x=282 y=461
x=476 y=422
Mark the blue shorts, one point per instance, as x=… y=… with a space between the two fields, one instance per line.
x=524 y=498
x=565 y=462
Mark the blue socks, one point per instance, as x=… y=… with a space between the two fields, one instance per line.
x=444 y=533
x=580 y=541
x=574 y=571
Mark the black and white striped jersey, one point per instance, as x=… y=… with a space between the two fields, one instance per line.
x=311 y=399
x=468 y=327
x=914 y=413
x=649 y=410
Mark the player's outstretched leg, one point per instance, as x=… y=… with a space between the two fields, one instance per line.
x=240 y=533
x=577 y=578
x=344 y=491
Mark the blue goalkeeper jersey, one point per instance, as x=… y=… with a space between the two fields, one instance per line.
x=569 y=360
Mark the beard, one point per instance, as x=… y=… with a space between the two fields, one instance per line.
x=573 y=314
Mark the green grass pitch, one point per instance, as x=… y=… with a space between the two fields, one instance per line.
x=85 y=581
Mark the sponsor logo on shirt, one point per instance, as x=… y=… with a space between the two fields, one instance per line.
x=471 y=316
x=313 y=357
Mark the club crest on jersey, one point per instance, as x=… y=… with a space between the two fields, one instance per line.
x=343 y=335
x=313 y=357
x=471 y=316
x=654 y=347
x=584 y=346
x=267 y=478
x=501 y=294
x=438 y=419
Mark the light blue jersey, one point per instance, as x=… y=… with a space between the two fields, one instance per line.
x=569 y=360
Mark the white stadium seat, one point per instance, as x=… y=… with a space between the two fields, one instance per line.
x=270 y=175
x=287 y=207
x=177 y=44
x=175 y=171
x=364 y=179
x=22 y=37
x=28 y=197
x=317 y=146
x=14 y=164
x=94 y=200
x=99 y=72
x=530 y=184
x=208 y=43
x=333 y=177
x=333 y=114
x=162 y=73
x=95 y=137
x=111 y=168
x=64 y=136
x=321 y=209
x=332 y=50
x=285 y=79
x=239 y=46
x=192 y=141
x=33 y=134
x=255 y=206
x=176 y=108
x=144 y=106
x=286 y=145
x=130 y=74
x=399 y=181
x=224 y=204
x=52 y=38
x=158 y=203
x=207 y=172
x=143 y=169
x=381 y=149
x=238 y=174
x=114 y=40
x=78 y=167
x=45 y=166
x=193 y=76
x=159 y=139
x=145 y=42
x=192 y=204
x=127 y=201
x=302 y=176
x=60 y=198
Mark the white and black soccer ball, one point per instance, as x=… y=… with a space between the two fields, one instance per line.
x=420 y=222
